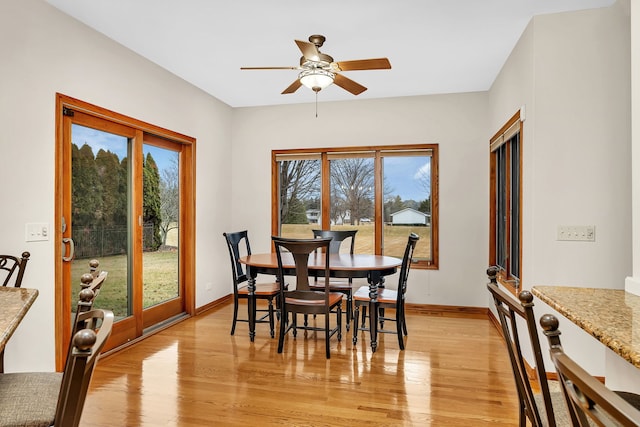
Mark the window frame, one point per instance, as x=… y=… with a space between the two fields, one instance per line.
x=503 y=141
x=379 y=152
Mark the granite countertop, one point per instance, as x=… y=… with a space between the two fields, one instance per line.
x=14 y=304
x=612 y=316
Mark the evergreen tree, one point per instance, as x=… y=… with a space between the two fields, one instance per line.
x=297 y=213
x=108 y=168
x=425 y=206
x=121 y=211
x=151 y=200
x=86 y=199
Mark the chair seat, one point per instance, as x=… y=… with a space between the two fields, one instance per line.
x=261 y=289
x=334 y=298
x=385 y=296
x=559 y=406
x=18 y=391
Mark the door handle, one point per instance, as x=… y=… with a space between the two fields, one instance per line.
x=72 y=248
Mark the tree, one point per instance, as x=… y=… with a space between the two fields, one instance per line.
x=151 y=200
x=108 y=170
x=121 y=212
x=425 y=206
x=424 y=180
x=353 y=181
x=169 y=199
x=391 y=206
x=297 y=213
x=86 y=199
x=299 y=180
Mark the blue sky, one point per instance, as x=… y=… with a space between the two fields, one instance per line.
x=97 y=140
x=404 y=175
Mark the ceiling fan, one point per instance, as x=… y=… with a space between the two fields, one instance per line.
x=318 y=70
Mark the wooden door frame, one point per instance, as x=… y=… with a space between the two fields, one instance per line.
x=187 y=215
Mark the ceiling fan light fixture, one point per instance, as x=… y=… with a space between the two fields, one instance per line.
x=316 y=79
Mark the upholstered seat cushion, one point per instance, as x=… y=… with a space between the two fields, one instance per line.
x=560 y=411
x=19 y=391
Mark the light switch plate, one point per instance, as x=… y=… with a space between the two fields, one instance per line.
x=36 y=231
x=581 y=233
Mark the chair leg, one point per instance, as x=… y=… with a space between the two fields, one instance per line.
x=339 y=322
x=326 y=335
x=281 y=335
x=354 y=332
x=235 y=315
x=404 y=323
x=364 y=316
x=399 y=328
x=271 y=316
x=349 y=310
x=294 y=323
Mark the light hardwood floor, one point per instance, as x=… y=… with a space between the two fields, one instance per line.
x=454 y=372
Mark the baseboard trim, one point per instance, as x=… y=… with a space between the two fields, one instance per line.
x=448 y=310
x=214 y=305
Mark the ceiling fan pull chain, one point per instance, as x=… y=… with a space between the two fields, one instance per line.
x=317 y=104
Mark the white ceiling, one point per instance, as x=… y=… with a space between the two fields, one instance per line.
x=434 y=46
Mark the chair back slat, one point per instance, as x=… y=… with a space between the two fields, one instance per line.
x=403 y=278
x=238 y=245
x=337 y=238
x=300 y=250
x=12 y=269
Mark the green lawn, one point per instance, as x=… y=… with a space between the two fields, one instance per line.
x=395 y=237
x=160 y=280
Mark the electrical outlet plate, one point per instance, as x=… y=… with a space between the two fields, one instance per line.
x=577 y=233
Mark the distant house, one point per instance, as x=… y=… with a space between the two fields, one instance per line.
x=410 y=216
x=313 y=215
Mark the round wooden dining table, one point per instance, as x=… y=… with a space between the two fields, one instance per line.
x=372 y=267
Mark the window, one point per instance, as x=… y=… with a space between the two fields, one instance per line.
x=385 y=192
x=505 y=246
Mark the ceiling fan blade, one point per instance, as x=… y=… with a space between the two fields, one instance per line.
x=309 y=50
x=349 y=85
x=364 y=64
x=269 y=68
x=292 y=87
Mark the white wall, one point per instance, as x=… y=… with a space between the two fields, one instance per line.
x=572 y=71
x=43 y=51
x=458 y=123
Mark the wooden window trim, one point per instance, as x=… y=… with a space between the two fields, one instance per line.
x=504 y=276
x=377 y=152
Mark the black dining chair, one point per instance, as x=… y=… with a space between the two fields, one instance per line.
x=238 y=245
x=304 y=300
x=544 y=408
x=345 y=286
x=590 y=402
x=387 y=299
x=12 y=269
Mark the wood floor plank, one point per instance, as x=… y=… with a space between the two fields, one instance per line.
x=454 y=372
